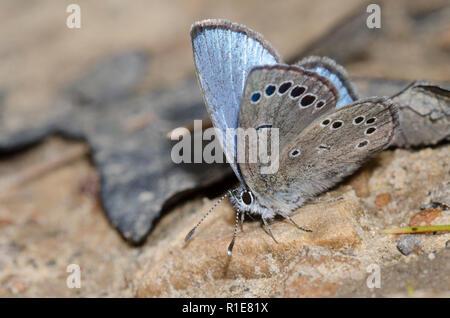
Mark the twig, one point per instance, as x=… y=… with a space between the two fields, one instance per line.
x=417 y=229
x=40 y=169
x=138 y=122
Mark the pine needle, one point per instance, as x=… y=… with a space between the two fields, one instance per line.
x=417 y=229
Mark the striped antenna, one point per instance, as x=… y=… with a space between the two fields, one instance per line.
x=191 y=232
x=236 y=224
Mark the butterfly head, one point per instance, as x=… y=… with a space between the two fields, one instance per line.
x=244 y=200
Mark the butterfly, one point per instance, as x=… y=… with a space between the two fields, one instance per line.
x=325 y=131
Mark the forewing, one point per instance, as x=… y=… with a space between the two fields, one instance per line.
x=224 y=53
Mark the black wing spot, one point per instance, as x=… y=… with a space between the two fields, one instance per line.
x=363 y=143
x=297 y=91
x=371 y=120
x=294 y=153
x=307 y=100
x=325 y=122
x=358 y=120
x=320 y=104
x=370 y=130
x=337 y=124
x=284 y=87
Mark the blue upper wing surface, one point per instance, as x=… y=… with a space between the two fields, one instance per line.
x=224 y=54
x=328 y=68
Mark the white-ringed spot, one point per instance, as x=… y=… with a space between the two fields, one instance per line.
x=337 y=124
x=294 y=153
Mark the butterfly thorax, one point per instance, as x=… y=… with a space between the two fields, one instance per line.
x=245 y=201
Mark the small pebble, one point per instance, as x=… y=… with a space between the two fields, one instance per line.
x=51 y=262
x=381 y=200
x=407 y=243
x=431 y=256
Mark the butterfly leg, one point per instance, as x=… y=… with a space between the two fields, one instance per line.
x=319 y=200
x=269 y=229
x=287 y=217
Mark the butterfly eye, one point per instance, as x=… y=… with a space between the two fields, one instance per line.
x=247 y=197
x=371 y=120
x=294 y=153
x=256 y=97
x=270 y=89
x=358 y=120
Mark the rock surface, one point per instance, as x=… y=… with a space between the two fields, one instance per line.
x=52 y=218
x=40 y=237
x=424 y=115
x=345 y=241
x=138 y=180
x=408 y=244
x=125 y=125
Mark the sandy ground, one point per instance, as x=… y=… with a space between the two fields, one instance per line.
x=56 y=219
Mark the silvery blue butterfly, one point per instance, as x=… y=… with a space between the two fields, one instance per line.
x=325 y=132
